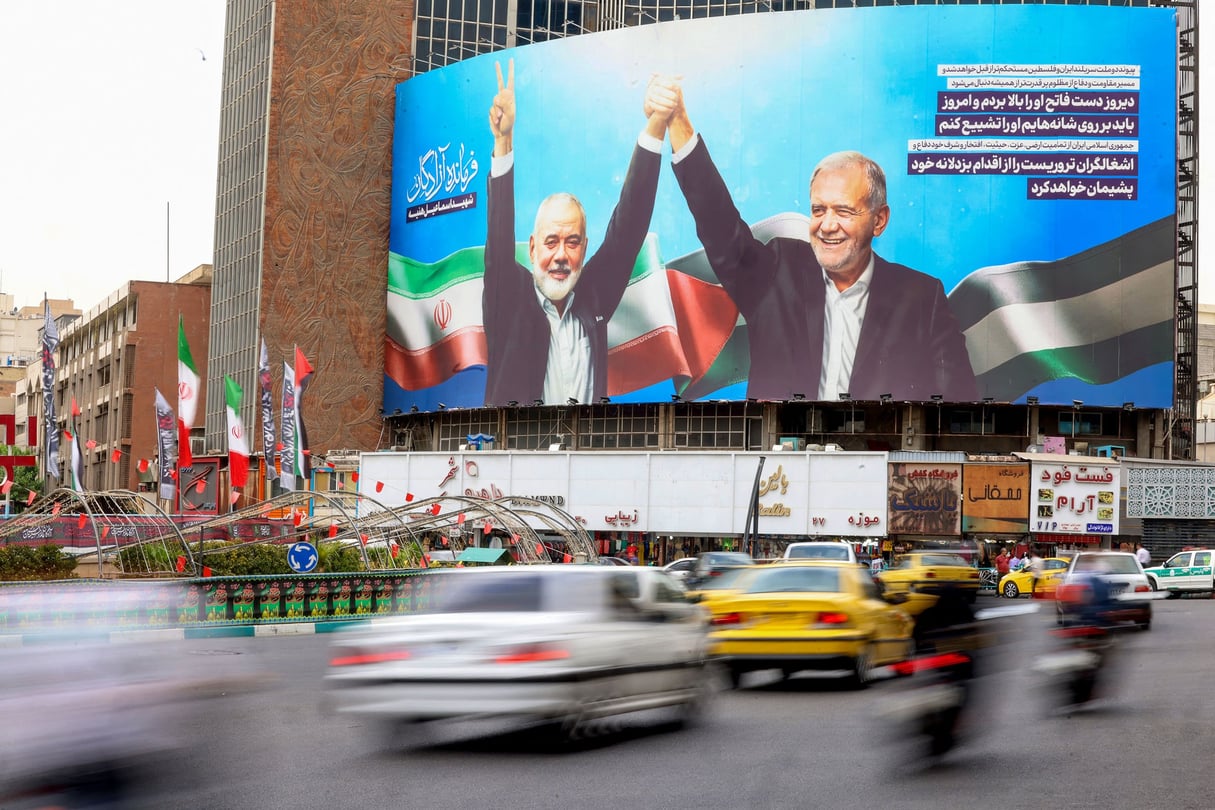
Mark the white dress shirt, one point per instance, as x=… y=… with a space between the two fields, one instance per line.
x=843 y=315
x=569 y=372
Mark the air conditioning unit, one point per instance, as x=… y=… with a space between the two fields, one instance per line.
x=792 y=443
x=198 y=446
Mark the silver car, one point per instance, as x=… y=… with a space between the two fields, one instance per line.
x=506 y=646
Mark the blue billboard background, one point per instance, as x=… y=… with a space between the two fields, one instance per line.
x=773 y=93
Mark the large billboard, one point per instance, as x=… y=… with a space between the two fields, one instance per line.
x=1025 y=245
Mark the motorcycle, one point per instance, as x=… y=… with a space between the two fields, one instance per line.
x=928 y=712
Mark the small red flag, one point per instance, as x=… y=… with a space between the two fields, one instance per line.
x=81 y=520
x=105 y=532
x=565 y=558
x=489 y=527
x=55 y=509
x=116 y=456
x=7 y=486
x=332 y=530
x=341 y=484
x=68 y=433
x=539 y=549
x=181 y=563
x=363 y=540
x=206 y=571
x=514 y=539
x=75 y=407
x=395 y=550
x=29 y=501
x=434 y=510
x=460 y=519
x=173 y=474
x=425 y=560
x=297 y=517
x=379 y=486
x=143 y=465
x=90 y=444
x=408 y=497
x=354 y=476
x=443 y=540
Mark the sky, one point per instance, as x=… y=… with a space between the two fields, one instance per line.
x=110 y=136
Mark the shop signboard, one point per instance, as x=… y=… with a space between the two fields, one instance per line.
x=925 y=499
x=1074 y=495
x=995 y=498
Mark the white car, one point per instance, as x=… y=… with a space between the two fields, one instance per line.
x=526 y=645
x=1125 y=577
x=820 y=550
x=1184 y=572
x=681 y=568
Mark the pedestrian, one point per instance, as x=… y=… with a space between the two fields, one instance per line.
x=1143 y=555
x=1002 y=560
x=1036 y=566
x=877 y=564
x=1014 y=565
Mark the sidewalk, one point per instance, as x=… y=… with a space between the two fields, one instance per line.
x=138 y=635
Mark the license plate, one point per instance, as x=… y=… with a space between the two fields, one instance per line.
x=1117 y=589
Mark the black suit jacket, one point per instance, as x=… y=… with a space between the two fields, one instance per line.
x=516 y=329
x=910 y=345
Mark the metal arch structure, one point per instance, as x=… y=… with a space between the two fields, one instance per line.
x=345 y=518
x=577 y=539
x=125 y=527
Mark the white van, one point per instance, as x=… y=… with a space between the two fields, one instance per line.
x=820 y=550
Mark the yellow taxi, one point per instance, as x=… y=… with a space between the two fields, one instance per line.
x=918 y=577
x=709 y=590
x=820 y=614
x=1017 y=583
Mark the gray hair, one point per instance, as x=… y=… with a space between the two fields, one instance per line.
x=564 y=197
x=873 y=173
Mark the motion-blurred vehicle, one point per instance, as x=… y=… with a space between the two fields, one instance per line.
x=1018 y=583
x=1184 y=572
x=613 y=561
x=716 y=587
x=710 y=564
x=1124 y=575
x=916 y=578
x=560 y=646
x=681 y=568
x=820 y=614
x=85 y=716
x=820 y=550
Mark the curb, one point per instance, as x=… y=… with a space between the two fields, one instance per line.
x=155 y=634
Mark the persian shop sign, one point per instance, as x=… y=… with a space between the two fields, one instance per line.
x=925 y=499
x=1074 y=498
x=977 y=120
x=995 y=498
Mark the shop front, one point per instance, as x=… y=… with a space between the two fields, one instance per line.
x=1075 y=503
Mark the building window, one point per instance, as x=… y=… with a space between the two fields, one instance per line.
x=455 y=428
x=612 y=427
x=715 y=427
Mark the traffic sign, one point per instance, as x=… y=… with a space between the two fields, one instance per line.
x=302 y=557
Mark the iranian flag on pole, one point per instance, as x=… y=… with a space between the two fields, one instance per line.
x=238 y=443
x=187 y=395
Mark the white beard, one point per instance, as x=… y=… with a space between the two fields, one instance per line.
x=556 y=289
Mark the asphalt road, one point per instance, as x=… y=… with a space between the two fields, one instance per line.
x=804 y=743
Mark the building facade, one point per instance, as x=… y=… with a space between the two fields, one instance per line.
x=302 y=231
x=110 y=362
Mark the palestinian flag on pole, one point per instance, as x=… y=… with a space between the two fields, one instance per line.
x=1096 y=317
x=238 y=442
x=188 y=384
x=669 y=325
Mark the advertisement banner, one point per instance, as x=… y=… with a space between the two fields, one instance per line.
x=166 y=447
x=702 y=277
x=925 y=499
x=1079 y=496
x=995 y=498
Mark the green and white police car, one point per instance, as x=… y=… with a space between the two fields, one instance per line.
x=1184 y=572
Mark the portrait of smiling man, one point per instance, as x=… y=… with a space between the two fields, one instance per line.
x=546 y=329
x=826 y=315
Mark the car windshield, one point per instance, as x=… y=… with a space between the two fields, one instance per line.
x=728 y=558
x=943 y=559
x=834 y=551
x=513 y=592
x=783 y=580
x=1106 y=564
